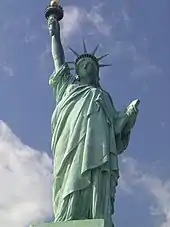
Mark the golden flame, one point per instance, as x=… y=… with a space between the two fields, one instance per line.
x=54 y=2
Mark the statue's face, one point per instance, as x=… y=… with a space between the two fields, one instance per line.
x=87 y=70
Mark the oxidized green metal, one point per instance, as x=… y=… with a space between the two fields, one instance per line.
x=88 y=134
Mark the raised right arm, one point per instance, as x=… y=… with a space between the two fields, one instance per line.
x=56 y=46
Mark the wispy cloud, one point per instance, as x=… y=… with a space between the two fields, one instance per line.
x=44 y=57
x=145 y=69
x=135 y=180
x=6 y=70
x=137 y=57
x=73 y=19
x=79 y=17
x=96 y=18
x=130 y=47
x=29 y=38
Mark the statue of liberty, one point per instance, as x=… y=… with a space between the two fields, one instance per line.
x=88 y=134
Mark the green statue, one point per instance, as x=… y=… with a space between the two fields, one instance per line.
x=88 y=134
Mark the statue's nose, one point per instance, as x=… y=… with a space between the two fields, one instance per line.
x=85 y=66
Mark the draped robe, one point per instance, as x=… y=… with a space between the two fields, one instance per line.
x=86 y=139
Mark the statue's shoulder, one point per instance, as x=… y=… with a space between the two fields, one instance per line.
x=62 y=75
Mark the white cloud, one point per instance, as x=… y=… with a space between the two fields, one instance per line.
x=25 y=176
x=75 y=18
x=6 y=70
x=160 y=191
x=95 y=17
x=71 y=23
x=134 y=179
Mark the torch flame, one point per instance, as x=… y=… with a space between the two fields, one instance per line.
x=54 y=2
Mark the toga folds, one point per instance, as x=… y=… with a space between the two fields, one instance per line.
x=86 y=141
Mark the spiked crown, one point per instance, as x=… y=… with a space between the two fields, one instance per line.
x=89 y=55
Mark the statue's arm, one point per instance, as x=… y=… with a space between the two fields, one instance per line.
x=56 y=45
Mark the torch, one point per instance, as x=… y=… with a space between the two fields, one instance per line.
x=54 y=9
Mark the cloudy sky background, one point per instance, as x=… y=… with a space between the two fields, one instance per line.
x=136 y=34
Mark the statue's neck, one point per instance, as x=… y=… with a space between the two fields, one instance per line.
x=95 y=85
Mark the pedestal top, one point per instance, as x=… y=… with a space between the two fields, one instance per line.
x=74 y=223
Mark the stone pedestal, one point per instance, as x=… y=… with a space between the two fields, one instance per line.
x=74 y=223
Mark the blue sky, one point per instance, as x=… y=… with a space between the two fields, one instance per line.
x=136 y=34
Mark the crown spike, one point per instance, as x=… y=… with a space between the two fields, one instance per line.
x=104 y=65
x=103 y=56
x=74 y=52
x=95 y=49
x=84 y=47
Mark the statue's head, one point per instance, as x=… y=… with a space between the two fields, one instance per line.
x=87 y=66
x=87 y=71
